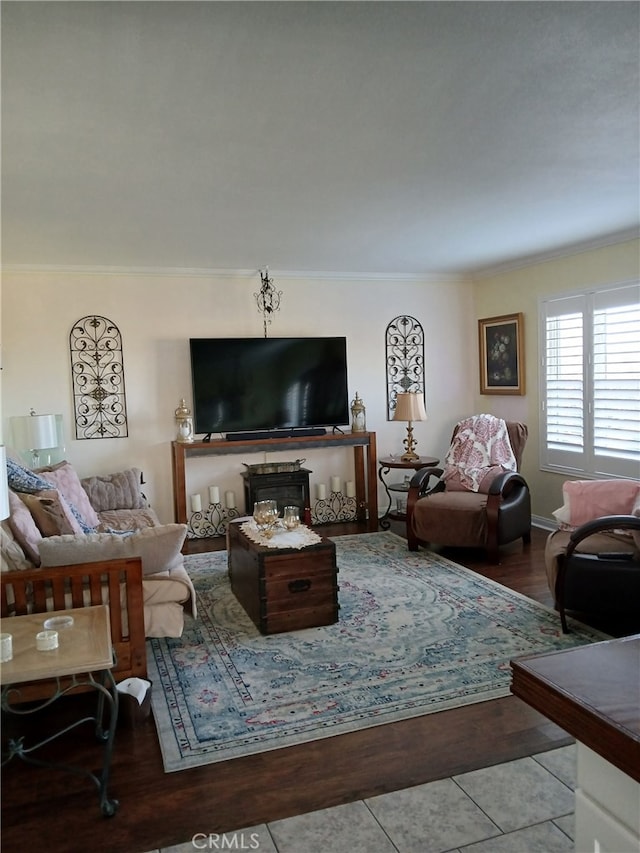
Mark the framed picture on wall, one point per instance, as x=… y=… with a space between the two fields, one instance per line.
x=501 y=342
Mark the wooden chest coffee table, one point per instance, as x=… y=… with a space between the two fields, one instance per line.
x=284 y=589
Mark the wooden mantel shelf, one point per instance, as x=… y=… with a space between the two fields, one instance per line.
x=593 y=693
x=361 y=442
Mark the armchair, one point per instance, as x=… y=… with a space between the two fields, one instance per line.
x=492 y=511
x=593 y=559
x=605 y=582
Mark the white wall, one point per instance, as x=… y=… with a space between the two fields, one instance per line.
x=157 y=314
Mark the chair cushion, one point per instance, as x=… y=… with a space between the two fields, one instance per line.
x=452 y=518
x=128 y=519
x=159 y=548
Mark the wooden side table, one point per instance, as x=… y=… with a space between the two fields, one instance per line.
x=387 y=463
x=84 y=658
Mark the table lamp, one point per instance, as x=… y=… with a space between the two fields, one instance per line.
x=34 y=433
x=409 y=407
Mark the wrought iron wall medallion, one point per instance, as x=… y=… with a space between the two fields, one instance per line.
x=97 y=370
x=404 y=341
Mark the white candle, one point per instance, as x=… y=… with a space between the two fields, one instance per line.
x=196 y=503
x=46 y=640
x=230 y=499
x=351 y=489
x=335 y=484
x=321 y=491
x=214 y=495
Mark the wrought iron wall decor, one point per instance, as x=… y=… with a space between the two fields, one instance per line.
x=404 y=342
x=267 y=299
x=97 y=370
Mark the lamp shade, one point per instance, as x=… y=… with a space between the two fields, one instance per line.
x=4 y=488
x=410 y=407
x=34 y=432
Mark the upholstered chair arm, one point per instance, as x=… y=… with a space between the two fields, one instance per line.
x=420 y=480
x=508 y=510
x=418 y=488
x=505 y=482
x=598 y=525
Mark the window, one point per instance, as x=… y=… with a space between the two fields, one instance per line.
x=590 y=382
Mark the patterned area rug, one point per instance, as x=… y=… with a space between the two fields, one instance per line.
x=417 y=634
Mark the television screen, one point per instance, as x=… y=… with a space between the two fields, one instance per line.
x=250 y=384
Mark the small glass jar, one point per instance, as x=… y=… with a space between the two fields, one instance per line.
x=291 y=517
x=358 y=415
x=184 y=423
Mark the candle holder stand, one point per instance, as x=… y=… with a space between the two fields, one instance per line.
x=337 y=507
x=210 y=522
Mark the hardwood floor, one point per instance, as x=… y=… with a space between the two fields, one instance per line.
x=56 y=811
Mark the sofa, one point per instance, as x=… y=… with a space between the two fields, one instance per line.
x=60 y=520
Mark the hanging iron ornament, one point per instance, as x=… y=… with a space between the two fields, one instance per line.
x=267 y=298
x=97 y=370
x=404 y=359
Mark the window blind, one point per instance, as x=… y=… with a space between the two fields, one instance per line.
x=590 y=382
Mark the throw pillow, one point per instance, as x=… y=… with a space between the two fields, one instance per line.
x=585 y=500
x=51 y=513
x=24 y=528
x=21 y=479
x=64 y=478
x=12 y=557
x=158 y=547
x=115 y=491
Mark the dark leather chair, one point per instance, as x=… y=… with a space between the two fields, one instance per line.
x=598 y=571
x=471 y=519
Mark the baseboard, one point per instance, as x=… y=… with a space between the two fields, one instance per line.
x=544 y=523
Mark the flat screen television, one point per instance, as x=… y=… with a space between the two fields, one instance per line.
x=248 y=385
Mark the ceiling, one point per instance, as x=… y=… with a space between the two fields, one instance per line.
x=385 y=137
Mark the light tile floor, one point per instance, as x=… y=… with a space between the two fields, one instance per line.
x=522 y=806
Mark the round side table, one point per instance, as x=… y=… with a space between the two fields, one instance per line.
x=399 y=488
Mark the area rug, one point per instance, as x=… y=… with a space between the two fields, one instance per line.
x=417 y=634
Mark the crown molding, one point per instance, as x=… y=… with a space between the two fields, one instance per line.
x=333 y=275
x=570 y=249
x=194 y=272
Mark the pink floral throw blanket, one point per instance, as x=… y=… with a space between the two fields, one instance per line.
x=481 y=444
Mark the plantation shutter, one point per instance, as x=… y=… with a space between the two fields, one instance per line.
x=616 y=377
x=590 y=382
x=563 y=376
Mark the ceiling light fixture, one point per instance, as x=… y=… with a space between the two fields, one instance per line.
x=267 y=298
